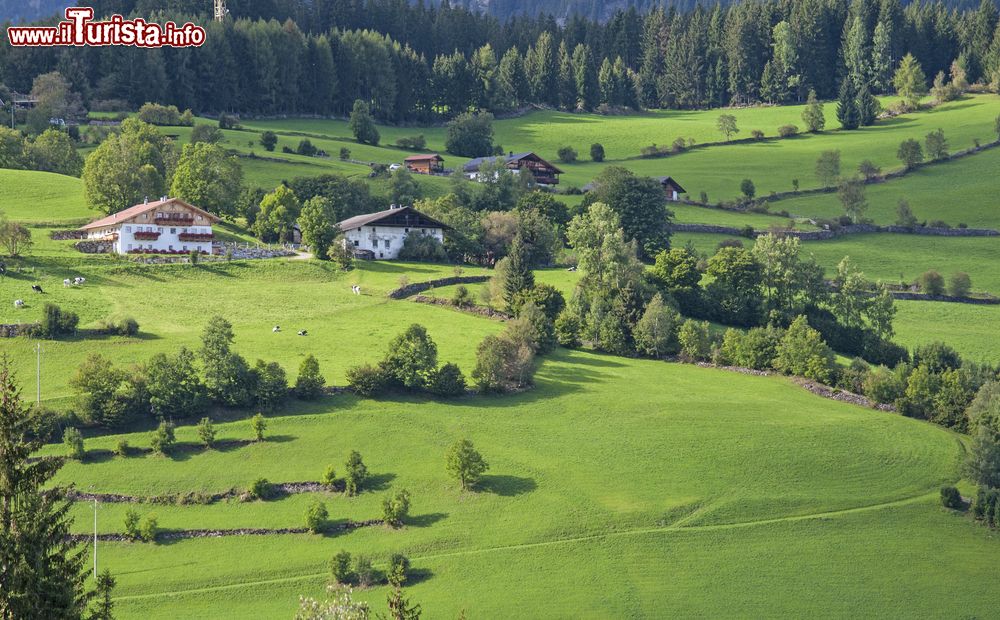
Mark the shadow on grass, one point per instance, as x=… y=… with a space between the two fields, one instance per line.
x=378 y=482
x=418 y=575
x=506 y=486
x=426 y=520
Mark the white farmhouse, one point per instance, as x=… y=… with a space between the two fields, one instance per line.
x=380 y=235
x=165 y=226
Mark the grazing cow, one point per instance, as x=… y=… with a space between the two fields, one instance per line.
x=303 y=332
x=37 y=288
x=18 y=303
x=276 y=329
x=3 y=268
x=356 y=289
x=79 y=281
x=66 y=282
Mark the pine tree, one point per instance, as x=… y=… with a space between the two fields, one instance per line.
x=103 y=603
x=847 y=105
x=882 y=57
x=868 y=107
x=910 y=81
x=519 y=276
x=41 y=571
x=813 y=115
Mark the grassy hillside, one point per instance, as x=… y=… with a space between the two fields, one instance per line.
x=29 y=196
x=607 y=468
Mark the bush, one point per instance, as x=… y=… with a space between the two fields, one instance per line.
x=56 y=322
x=395 y=508
x=259 y=425
x=695 y=340
x=931 y=283
x=883 y=385
x=756 y=134
x=951 y=498
x=356 y=474
x=462 y=297
x=803 y=352
x=748 y=189
x=756 y=348
x=228 y=121
x=366 y=380
x=309 y=384
x=345 y=153
x=209 y=134
x=423 y=248
x=412 y=143
x=167 y=115
x=597 y=152
x=122 y=448
x=260 y=489
x=568 y=326
x=131 y=524
x=398 y=571
x=123 y=326
x=340 y=568
x=545 y=296
x=306 y=148
x=678 y=145
x=329 y=476
x=938 y=224
x=567 y=154
x=363 y=571
x=959 y=284
x=411 y=358
x=73 y=441
x=206 y=432
x=269 y=140
x=149 y=528
x=470 y=135
x=787 y=131
x=316 y=516
x=162 y=438
x=447 y=381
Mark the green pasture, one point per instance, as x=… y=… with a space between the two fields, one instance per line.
x=41 y=197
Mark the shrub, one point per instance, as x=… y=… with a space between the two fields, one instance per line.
x=356 y=473
x=206 y=432
x=329 y=476
x=259 y=425
x=959 y=284
x=447 y=380
x=167 y=115
x=910 y=153
x=937 y=357
x=345 y=153
x=423 y=248
x=340 y=567
x=228 y=121
x=122 y=448
x=787 y=131
x=931 y=282
x=411 y=358
x=465 y=464
x=363 y=571
x=56 y=322
x=131 y=524
x=567 y=326
x=755 y=348
x=951 y=498
x=703 y=197
x=462 y=297
x=396 y=507
x=309 y=384
x=316 y=516
x=803 y=352
x=695 y=340
x=162 y=438
x=938 y=224
x=73 y=441
x=597 y=152
x=149 y=528
x=366 y=380
x=748 y=189
x=123 y=326
x=412 y=143
x=883 y=385
x=567 y=154
x=756 y=134
x=260 y=489
x=398 y=571
x=656 y=332
x=306 y=148
x=678 y=145
x=269 y=140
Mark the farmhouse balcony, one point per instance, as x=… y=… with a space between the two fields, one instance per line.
x=195 y=236
x=146 y=235
x=173 y=219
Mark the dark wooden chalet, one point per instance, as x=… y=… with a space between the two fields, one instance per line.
x=544 y=172
x=432 y=163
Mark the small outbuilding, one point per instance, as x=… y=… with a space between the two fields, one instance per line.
x=672 y=188
x=431 y=163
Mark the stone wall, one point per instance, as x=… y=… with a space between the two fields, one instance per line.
x=855 y=229
x=13 y=330
x=419 y=287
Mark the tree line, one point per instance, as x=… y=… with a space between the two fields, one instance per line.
x=419 y=63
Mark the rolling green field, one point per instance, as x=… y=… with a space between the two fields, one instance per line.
x=33 y=197
x=562 y=491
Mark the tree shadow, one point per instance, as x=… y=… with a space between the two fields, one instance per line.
x=378 y=482
x=418 y=575
x=425 y=520
x=506 y=486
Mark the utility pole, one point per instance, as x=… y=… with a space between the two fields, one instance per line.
x=220 y=10
x=95 y=539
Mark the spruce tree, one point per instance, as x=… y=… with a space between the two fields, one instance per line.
x=813 y=115
x=868 y=107
x=847 y=105
x=41 y=571
x=519 y=276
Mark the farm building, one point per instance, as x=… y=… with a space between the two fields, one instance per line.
x=381 y=235
x=671 y=188
x=544 y=172
x=165 y=226
x=431 y=163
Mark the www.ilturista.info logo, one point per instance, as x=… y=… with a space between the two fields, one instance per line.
x=80 y=29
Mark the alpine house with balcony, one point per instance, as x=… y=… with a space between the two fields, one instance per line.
x=381 y=235
x=165 y=226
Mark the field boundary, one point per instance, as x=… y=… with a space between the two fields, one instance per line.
x=852 y=229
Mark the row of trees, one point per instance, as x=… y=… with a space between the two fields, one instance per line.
x=171 y=386
x=767 y=51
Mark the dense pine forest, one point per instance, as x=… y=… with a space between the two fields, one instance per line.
x=419 y=63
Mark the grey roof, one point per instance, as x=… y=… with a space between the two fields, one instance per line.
x=473 y=164
x=369 y=218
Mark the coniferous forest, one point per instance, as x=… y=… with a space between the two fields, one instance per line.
x=419 y=63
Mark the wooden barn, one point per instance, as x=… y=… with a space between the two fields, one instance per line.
x=544 y=172
x=672 y=188
x=432 y=163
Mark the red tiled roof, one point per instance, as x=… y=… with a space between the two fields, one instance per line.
x=141 y=208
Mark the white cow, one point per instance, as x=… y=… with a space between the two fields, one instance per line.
x=79 y=281
x=66 y=282
x=18 y=303
x=276 y=329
